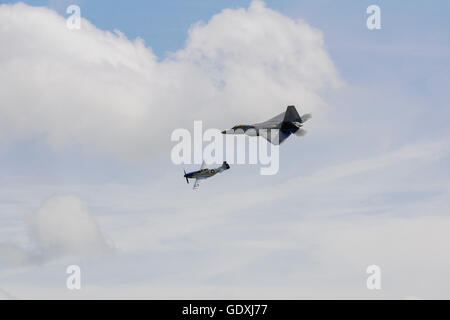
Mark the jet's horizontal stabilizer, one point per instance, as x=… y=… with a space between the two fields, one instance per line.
x=300 y=132
x=306 y=117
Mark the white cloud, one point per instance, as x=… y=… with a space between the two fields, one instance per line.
x=313 y=258
x=307 y=237
x=62 y=226
x=104 y=91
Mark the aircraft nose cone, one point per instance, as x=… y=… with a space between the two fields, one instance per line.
x=224 y=131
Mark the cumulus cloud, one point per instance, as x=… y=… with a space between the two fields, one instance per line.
x=62 y=226
x=103 y=91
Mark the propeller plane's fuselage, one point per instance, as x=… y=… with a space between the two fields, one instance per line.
x=202 y=174
x=205 y=173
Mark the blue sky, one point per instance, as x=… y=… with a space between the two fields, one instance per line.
x=164 y=25
x=367 y=185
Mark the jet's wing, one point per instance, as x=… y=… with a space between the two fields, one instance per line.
x=196 y=184
x=274 y=136
x=271 y=123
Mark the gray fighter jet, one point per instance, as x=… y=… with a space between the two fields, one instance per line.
x=277 y=129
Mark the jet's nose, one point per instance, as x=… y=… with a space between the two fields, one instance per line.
x=224 y=132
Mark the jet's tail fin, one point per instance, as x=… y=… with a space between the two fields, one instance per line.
x=291 y=115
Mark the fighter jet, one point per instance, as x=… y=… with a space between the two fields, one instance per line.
x=204 y=173
x=277 y=129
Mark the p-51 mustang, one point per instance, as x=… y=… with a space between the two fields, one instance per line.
x=204 y=173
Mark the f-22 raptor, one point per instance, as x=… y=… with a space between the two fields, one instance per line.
x=204 y=173
x=283 y=125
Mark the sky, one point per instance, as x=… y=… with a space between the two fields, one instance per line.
x=86 y=176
